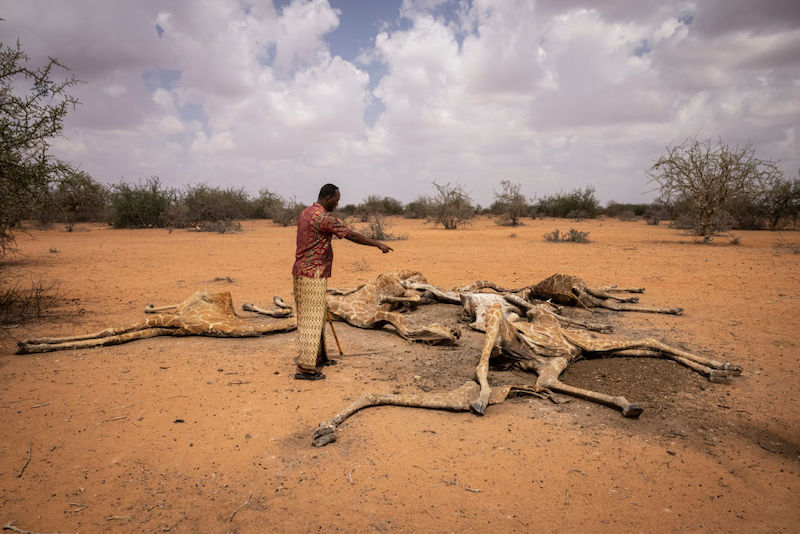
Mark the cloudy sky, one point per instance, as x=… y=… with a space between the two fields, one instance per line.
x=385 y=97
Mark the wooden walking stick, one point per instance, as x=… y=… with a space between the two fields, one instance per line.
x=330 y=322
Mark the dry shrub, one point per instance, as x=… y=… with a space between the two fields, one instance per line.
x=379 y=228
x=782 y=245
x=220 y=227
x=573 y=236
x=20 y=304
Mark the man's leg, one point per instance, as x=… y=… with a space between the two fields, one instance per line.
x=311 y=313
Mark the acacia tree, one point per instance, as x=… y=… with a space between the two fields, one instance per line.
x=512 y=203
x=708 y=177
x=451 y=206
x=32 y=109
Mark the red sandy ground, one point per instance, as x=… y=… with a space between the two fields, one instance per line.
x=106 y=452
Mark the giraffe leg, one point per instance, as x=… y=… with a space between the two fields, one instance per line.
x=714 y=370
x=149 y=308
x=549 y=380
x=600 y=294
x=250 y=330
x=626 y=306
x=278 y=311
x=29 y=348
x=450 y=297
x=400 y=300
x=566 y=321
x=615 y=289
x=493 y=319
x=619 y=402
x=150 y=323
x=457 y=400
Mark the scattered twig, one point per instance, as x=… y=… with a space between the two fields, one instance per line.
x=118 y=517
x=518 y=521
x=773 y=451
x=10 y=526
x=78 y=506
x=113 y=419
x=473 y=490
x=245 y=503
x=41 y=405
x=350 y=477
x=27 y=461
x=238 y=383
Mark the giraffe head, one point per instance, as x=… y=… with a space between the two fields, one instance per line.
x=435 y=334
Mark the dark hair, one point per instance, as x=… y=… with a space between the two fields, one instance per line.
x=328 y=190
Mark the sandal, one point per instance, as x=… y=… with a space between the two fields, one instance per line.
x=329 y=362
x=301 y=375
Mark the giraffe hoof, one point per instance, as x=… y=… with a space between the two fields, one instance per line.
x=22 y=348
x=719 y=376
x=678 y=311
x=478 y=407
x=324 y=434
x=632 y=410
x=734 y=370
x=321 y=441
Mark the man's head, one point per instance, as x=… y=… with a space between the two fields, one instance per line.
x=329 y=197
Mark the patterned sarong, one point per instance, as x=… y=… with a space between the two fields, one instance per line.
x=309 y=296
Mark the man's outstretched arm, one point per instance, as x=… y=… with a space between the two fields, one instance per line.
x=361 y=239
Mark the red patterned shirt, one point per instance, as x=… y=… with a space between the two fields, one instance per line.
x=315 y=228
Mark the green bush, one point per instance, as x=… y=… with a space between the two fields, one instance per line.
x=577 y=204
x=382 y=205
x=72 y=198
x=288 y=212
x=266 y=204
x=81 y=199
x=418 y=209
x=140 y=206
x=205 y=204
x=625 y=211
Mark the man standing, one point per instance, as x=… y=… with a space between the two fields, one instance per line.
x=312 y=267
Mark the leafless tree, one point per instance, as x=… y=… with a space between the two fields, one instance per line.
x=451 y=206
x=708 y=176
x=512 y=202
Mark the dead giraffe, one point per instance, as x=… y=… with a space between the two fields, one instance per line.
x=202 y=314
x=476 y=304
x=470 y=396
x=541 y=346
x=571 y=290
x=370 y=306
